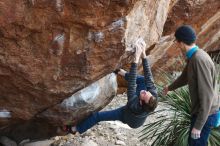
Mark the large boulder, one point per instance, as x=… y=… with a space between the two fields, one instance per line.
x=50 y=49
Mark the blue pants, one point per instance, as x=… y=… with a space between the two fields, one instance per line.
x=211 y=122
x=96 y=117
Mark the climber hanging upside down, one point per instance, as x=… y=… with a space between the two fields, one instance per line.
x=141 y=93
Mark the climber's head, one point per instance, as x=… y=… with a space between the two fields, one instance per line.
x=148 y=102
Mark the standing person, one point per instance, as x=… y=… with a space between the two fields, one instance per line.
x=200 y=74
x=139 y=105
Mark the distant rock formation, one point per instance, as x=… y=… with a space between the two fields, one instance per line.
x=204 y=16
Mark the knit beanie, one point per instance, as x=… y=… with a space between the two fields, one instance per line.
x=185 y=34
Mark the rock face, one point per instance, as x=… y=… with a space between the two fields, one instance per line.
x=52 y=49
x=204 y=16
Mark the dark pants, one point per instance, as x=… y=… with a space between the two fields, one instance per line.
x=96 y=117
x=211 y=122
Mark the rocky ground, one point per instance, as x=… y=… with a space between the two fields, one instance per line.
x=105 y=133
x=108 y=133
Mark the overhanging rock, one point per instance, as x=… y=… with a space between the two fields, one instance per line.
x=50 y=49
x=83 y=102
x=72 y=109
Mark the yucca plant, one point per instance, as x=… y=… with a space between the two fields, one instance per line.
x=172 y=118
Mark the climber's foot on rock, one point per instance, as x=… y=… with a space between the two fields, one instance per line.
x=66 y=129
